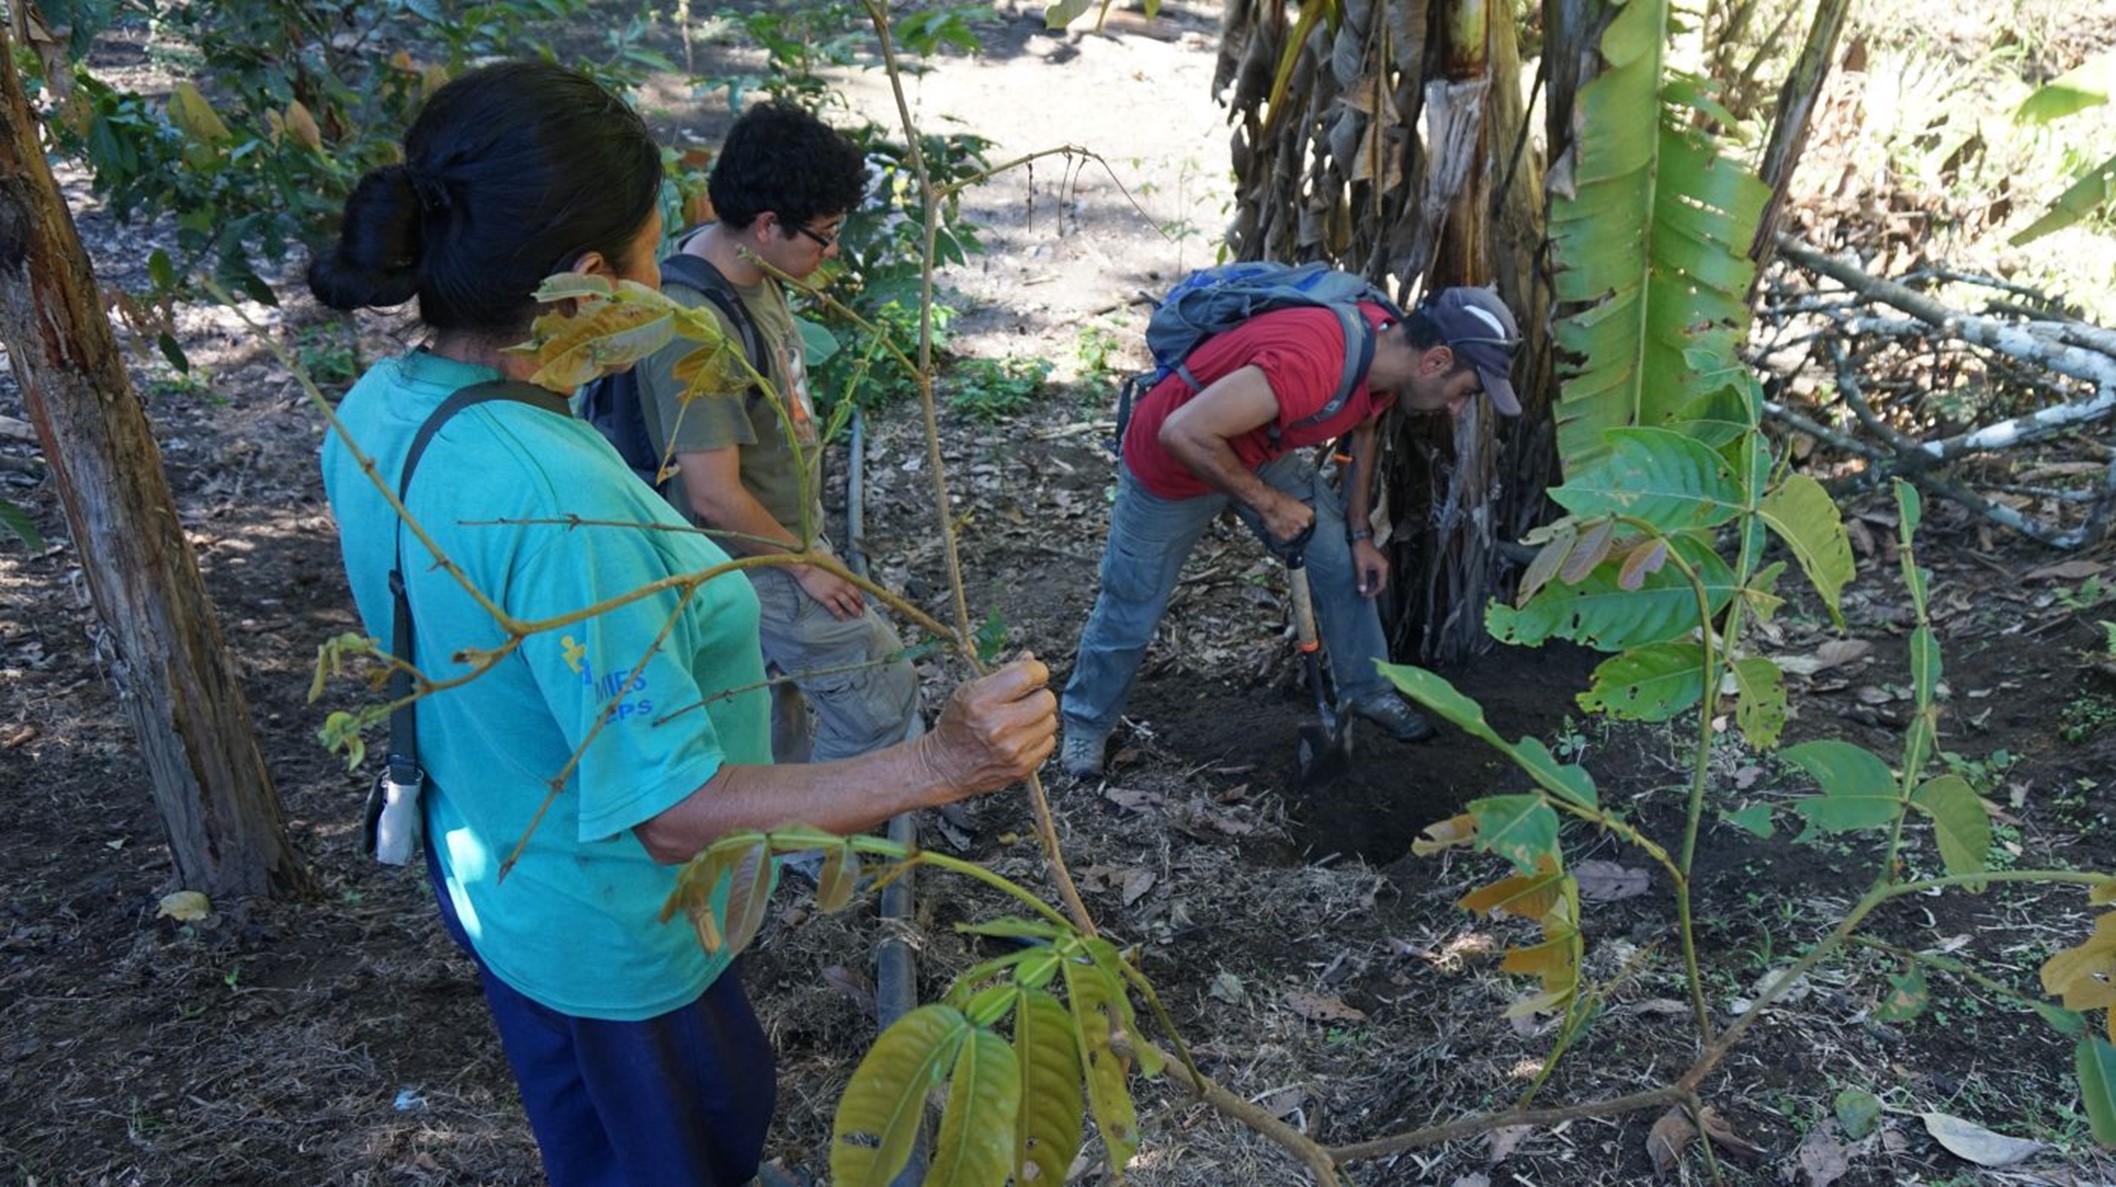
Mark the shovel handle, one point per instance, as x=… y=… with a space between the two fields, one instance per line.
x=1303 y=604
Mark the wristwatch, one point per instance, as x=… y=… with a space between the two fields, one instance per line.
x=1359 y=534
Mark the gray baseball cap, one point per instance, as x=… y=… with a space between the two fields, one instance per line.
x=1478 y=326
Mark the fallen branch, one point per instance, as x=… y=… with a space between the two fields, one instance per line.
x=2074 y=350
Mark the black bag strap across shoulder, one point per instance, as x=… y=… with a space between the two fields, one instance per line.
x=403 y=722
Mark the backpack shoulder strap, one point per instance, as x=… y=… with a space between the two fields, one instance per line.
x=403 y=722
x=700 y=276
x=1359 y=355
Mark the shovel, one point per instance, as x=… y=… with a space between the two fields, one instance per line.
x=1325 y=749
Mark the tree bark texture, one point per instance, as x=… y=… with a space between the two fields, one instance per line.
x=1398 y=149
x=174 y=674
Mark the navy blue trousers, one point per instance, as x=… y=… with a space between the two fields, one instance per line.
x=678 y=1100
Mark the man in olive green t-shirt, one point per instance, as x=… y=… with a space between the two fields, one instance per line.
x=781 y=188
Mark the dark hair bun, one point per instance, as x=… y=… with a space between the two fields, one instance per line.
x=375 y=261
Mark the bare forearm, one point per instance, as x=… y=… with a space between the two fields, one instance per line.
x=1215 y=462
x=741 y=522
x=1359 y=486
x=850 y=796
x=992 y=733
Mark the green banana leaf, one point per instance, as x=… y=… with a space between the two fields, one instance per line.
x=1650 y=228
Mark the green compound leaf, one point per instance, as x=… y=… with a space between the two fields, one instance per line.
x=976 y=1143
x=1960 y=823
x=1648 y=684
x=1520 y=828
x=1801 y=513
x=878 y=1117
x=1096 y=1000
x=1670 y=480
x=1600 y=613
x=1857 y=789
x=1564 y=780
x=1761 y=710
x=2096 y=1061
x=1649 y=229
x=1048 y=1128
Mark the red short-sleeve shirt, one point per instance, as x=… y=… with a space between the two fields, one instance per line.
x=1301 y=353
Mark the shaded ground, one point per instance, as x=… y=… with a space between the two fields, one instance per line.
x=1314 y=968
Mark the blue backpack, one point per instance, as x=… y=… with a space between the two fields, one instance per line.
x=1214 y=300
x=615 y=405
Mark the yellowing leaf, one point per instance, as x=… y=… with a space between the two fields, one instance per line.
x=1801 y=513
x=878 y=1117
x=195 y=117
x=571 y=349
x=1048 y=1129
x=303 y=125
x=2085 y=976
x=976 y=1140
x=1094 y=996
x=1445 y=834
x=1555 y=962
x=185 y=906
x=1761 y=710
x=1523 y=896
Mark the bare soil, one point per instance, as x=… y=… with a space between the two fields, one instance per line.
x=1313 y=965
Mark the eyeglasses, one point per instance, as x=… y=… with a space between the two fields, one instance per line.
x=824 y=240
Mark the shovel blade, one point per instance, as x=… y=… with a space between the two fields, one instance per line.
x=1321 y=755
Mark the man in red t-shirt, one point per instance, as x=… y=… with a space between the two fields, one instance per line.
x=1236 y=439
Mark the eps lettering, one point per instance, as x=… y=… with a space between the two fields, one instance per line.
x=615 y=688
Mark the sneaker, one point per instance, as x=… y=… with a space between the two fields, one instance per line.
x=1080 y=754
x=1396 y=718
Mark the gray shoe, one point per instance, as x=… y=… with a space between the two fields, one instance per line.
x=1395 y=717
x=1080 y=754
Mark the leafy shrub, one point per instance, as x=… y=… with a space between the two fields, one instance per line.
x=994 y=390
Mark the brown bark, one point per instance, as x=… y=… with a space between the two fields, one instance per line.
x=1467 y=487
x=175 y=677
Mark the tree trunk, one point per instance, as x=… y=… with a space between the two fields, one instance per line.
x=175 y=677
x=1457 y=491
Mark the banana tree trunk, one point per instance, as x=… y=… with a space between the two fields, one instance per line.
x=175 y=677
x=1457 y=491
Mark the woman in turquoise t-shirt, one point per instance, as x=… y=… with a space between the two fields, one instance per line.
x=639 y=1061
